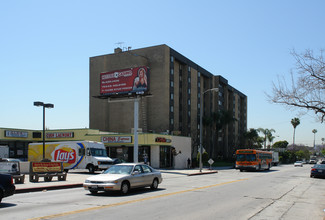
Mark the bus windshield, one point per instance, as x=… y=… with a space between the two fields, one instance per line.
x=246 y=157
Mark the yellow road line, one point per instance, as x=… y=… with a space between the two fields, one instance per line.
x=131 y=201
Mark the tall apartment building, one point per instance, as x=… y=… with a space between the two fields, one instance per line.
x=176 y=87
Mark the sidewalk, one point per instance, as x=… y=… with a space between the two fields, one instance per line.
x=76 y=178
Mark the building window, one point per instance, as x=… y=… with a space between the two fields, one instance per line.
x=171 y=84
x=171 y=108
x=171 y=71
x=189 y=69
x=171 y=59
x=172 y=96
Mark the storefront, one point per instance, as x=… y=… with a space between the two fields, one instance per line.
x=154 y=149
x=159 y=150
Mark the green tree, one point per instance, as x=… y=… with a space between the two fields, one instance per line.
x=280 y=144
x=266 y=132
x=323 y=151
x=221 y=119
x=251 y=138
x=295 y=122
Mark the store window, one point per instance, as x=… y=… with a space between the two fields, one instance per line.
x=165 y=157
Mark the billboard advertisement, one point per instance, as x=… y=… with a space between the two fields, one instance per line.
x=126 y=81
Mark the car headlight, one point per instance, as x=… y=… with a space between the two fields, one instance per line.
x=114 y=181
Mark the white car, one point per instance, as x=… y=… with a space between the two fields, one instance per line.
x=123 y=177
x=298 y=164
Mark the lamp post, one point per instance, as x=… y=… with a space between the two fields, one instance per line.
x=44 y=105
x=201 y=126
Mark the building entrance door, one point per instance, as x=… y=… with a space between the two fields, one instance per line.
x=166 y=158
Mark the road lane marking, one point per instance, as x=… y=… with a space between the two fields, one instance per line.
x=131 y=201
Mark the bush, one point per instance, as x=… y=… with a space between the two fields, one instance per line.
x=205 y=157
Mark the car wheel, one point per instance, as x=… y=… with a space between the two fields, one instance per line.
x=125 y=188
x=93 y=192
x=91 y=169
x=154 y=184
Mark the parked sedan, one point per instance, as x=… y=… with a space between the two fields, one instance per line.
x=298 y=164
x=123 y=177
x=7 y=187
x=318 y=170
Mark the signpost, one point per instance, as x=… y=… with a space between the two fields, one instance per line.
x=210 y=162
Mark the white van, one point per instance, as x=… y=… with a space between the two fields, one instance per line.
x=89 y=155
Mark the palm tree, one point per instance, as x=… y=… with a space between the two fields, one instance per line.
x=314 y=131
x=221 y=119
x=267 y=133
x=251 y=137
x=295 y=122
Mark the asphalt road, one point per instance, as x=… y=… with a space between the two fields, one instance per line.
x=285 y=192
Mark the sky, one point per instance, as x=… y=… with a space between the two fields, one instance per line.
x=45 y=48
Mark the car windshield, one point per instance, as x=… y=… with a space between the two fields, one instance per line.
x=120 y=169
x=319 y=166
x=97 y=152
x=246 y=157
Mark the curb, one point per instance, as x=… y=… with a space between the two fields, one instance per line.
x=35 y=189
x=194 y=174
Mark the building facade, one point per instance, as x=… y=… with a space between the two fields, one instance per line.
x=176 y=87
x=161 y=151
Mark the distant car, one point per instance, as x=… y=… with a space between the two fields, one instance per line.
x=318 y=170
x=298 y=164
x=9 y=160
x=118 y=160
x=123 y=177
x=7 y=187
x=312 y=162
x=323 y=162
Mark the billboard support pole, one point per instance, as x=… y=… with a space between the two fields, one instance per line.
x=136 y=124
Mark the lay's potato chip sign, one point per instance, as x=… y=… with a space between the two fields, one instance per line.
x=64 y=154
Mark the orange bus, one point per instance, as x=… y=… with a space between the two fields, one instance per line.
x=249 y=159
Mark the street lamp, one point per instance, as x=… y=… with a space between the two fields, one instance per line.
x=201 y=126
x=44 y=105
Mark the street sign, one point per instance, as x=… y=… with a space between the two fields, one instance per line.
x=210 y=161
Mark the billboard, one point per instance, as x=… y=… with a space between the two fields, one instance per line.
x=125 y=82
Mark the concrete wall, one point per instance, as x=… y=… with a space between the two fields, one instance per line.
x=154 y=156
x=184 y=145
